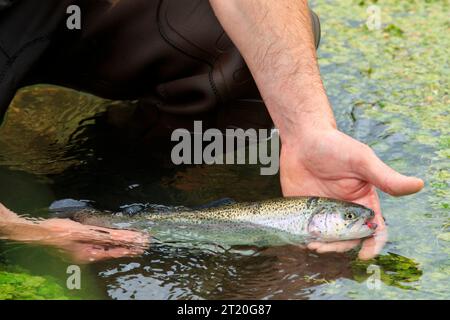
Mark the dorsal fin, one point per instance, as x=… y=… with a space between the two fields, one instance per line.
x=66 y=208
x=312 y=202
x=215 y=204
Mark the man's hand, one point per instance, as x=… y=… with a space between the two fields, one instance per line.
x=331 y=164
x=276 y=40
x=83 y=242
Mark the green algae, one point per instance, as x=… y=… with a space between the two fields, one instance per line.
x=395 y=270
x=18 y=284
x=389 y=88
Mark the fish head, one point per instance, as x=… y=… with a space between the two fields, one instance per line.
x=338 y=221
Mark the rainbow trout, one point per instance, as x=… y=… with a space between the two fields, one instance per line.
x=292 y=220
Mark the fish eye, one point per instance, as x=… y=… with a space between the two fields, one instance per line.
x=349 y=216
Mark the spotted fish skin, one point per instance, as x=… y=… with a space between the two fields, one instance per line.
x=291 y=220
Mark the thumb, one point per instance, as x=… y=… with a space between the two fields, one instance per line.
x=387 y=179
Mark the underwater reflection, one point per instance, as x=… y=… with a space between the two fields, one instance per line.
x=286 y=272
x=175 y=273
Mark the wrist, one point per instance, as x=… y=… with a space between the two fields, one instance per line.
x=24 y=230
x=308 y=136
x=305 y=123
x=9 y=221
x=298 y=106
x=13 y=229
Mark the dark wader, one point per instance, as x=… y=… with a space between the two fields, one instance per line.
x=173 y=56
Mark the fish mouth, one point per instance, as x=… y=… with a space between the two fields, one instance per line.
x=371 y=225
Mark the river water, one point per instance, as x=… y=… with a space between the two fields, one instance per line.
x=389 y=89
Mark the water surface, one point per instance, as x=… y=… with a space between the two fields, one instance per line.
x=389 y=89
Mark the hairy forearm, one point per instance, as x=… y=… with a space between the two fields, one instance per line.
x=20 y=230
x=276 y=40
x=14 y=227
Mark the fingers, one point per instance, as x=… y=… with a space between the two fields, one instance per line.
x=371 y=247
x=92 y=253
x=340 y=246
x=88 y=243
x=122 y=237
x=371 y=200
x=368 y=249
x=76 y=232
x=387 y=179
